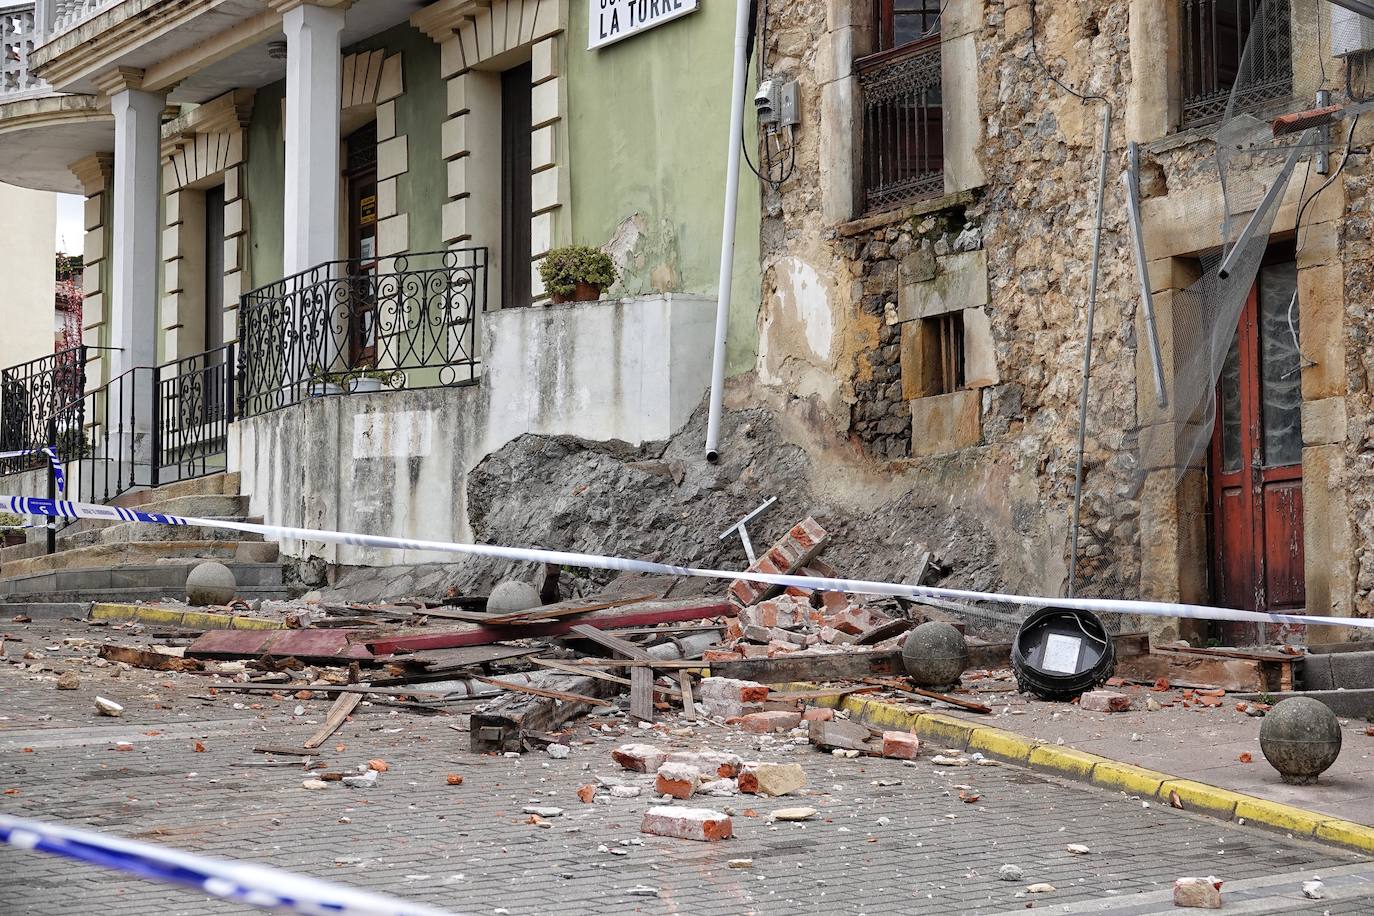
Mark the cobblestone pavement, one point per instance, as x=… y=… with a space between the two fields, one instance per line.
x=889 y=837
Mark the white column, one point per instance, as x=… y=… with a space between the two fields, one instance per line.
x=313 y=77
x=134 y=267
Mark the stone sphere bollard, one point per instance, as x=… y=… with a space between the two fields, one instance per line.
x=1300 y=737
x=512 y=596
x=935 y=654
x=210 y=583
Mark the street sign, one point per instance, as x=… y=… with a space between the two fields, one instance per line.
x=612 y=20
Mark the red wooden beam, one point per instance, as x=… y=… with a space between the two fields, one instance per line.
x=646 y=614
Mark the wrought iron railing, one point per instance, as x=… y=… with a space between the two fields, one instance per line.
x=1214 y=61
x=903 y=142
x=18 y=35
x=195 y=405
x=36 y=398
x=406 y=321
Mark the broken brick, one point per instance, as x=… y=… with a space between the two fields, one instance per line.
x=774 y=720
x=724 y=696
x=687 y=823
x=679 y=780
x=1104 y=701
x=818 y=714
x=800 y=546
x=717 y=655
x=641 y=758
x=1202 y=893
x=586 y=793
x=724 y=765
x=771 y=779
x=901 y=745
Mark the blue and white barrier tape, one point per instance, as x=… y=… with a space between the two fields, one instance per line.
x=25 y=505
x=255 y=885
x=58 y=475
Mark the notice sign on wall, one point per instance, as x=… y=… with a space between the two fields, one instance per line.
x=612 y=20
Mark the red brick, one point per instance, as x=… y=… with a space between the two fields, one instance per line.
x=834 y=602
x=679 y=780
x=751 y=651
x=642 y=758
x=721 y=764
x=902 y=745
x=1104 y=701
x=817 y=714
x=775 y=720
x=733 y=629
x=717 y=655
x=778 y=645
x=687 y=823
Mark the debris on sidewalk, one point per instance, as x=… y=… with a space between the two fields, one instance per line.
x=1200 y=893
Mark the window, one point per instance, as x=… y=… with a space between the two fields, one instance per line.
x=903 y=120
x=939 y=354
x=1214 y=61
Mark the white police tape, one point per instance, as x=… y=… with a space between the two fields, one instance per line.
x=51 y=454
x=255 y=885
x=26 y=505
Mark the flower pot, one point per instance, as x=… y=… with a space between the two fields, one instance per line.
x=366 y=385
x=583 y=292
x=319 y=389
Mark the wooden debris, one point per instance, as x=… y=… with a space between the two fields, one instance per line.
x=142 y=658
x=808 y=666
x=970 y=705
x=586 y=671
x=503 y=723
x=344 y=704
x=684 y=681
x=542 y=692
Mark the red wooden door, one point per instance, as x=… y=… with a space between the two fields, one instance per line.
x=1256 y=463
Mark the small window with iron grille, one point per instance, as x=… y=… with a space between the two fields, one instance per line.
x=939 y=355
x=903 y=140
x=1214 y=60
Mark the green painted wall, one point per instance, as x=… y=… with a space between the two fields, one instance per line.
x=647 y=125
x=420 y=114
x=266 y=174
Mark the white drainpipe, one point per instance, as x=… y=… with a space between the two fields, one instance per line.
x=727 y=233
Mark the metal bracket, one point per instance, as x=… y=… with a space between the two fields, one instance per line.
x=744 y=533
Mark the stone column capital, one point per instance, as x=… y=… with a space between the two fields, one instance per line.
x=282 y=7
x=119 y=79
x=94 y=172
x=440 y=21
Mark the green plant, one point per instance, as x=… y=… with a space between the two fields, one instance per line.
x=563 y=268
x=10 y=520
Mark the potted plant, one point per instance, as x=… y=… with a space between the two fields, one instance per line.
x=11 y=529
x=576 y=273
x=364 y=381
x=324 y=383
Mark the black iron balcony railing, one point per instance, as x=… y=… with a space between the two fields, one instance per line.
x=404 y=321
x=903 y=141
x=1214 y=62
x=36 y=398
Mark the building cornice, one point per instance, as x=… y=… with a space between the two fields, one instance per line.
x=94 y=171
x=441 y=20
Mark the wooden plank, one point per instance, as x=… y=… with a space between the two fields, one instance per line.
x=1228 y=673
x=667 y=664
x=564 y=609
x=614 y=643
x=689 y=709
x=541 y=692
x=503 y=722
x=837 y=666
x=567 y=668
x=921 y=692
x=653 y=612
x=286 y=751
x=344 y=704
x=642 y=694
x=885 y=630
x=1247 y=654
x=142 y=658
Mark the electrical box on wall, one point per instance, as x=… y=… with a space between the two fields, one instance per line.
x=1351 y=33
x=789 y=104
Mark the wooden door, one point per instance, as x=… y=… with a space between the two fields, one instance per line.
x=516 y=205
x=1256 y=462
x=361 y=177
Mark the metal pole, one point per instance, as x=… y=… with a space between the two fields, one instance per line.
x=50 y=532
x=1088 y=347
x=1131 y=179
x=727 y=233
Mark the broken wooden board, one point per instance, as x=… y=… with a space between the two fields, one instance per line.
x=830 y=666
x=142 y=658
x=1228 y=673
x=641 y=679
x=600 y=675
x=563 y=609
x=344 y=704
x=998 y=655
x=329 y=647
x=645 y=614
x=924 y=694
x=502 y=725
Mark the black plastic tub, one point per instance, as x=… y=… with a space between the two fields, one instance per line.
x=1059 y=654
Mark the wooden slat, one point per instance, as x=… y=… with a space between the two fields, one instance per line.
x=614 y=643
x=970 y=705
x=548 y=694
x=689 y=709
x=599 y=675
x=344 y=704
x=642 y=694
x=838 y=666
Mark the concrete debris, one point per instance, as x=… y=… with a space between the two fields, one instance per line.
x=363 y=781
x=701 y=824
x=793 y=814
x=558 y=751
x=1077 y=849
x=1040 y=889
x=68 y=680
x=1104 y=701
x=108 y=707
x=1010 y=873
x=1201 y=893
x=1313 y=890
x=772 y=779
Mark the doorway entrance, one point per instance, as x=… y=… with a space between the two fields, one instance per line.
x=1256 y=462
x=516 y=207
x=361 y=179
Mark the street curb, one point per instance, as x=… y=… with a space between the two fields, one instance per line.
x=950 y=731
x=171 y=617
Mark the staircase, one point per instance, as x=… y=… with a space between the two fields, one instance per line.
x=112 y=561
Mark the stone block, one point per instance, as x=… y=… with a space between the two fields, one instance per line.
x=171 y=209
x=771 y=779
x=1199 y=893
x=712 y=764
x=456 y=94
x=641 y=758
x=544 y=103
x=774 y=720
x=93 y=213
x=1324 y=422
x=453 y=137
x=232 y=185
x=386 y=121
x=543 y=147
x=919 y=360
x=946 y=423
x=453 y=221
x=235 y=218
x=1321 y=298
x=392 y=82
x=544 y=61
x=686 y=823
x=1104 y=701
x=901 y=745
x=960 y=282
x=723 y=697
x=962 y=125
x=233 y=253
x=393 y=157
x=542 y=234
x=980 y=354
x=393 y=235
x=545 y=191
x=386 y=197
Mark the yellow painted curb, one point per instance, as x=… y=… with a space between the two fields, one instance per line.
x=951 y=731
x=202 y=620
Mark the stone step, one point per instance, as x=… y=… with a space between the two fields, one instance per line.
x=212 y=485
x=143 y=552
x=141 y=532
x=1339 y=671
x=147 y=581
x=46 y=611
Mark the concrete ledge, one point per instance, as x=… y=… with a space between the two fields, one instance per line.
x=1355 y=703
x=203 y=620
x=943 y=730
